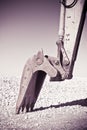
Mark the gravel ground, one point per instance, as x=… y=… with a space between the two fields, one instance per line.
x=60 y=106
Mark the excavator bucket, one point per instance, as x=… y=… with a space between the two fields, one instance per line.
x=34 y=73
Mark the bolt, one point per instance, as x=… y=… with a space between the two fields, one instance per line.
x=57 y=62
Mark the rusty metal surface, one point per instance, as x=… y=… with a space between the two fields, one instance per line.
x=58 y=68
x=37 y=66
x=34 y=73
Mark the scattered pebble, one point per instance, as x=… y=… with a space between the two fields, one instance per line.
x=60 y=106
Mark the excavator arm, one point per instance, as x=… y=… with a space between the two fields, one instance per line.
x=59 y=68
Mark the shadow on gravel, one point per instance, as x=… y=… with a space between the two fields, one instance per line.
x=81 y=102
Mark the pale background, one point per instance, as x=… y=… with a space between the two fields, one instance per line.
x=28 y=26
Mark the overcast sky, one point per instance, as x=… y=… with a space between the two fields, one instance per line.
x=28 y=26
